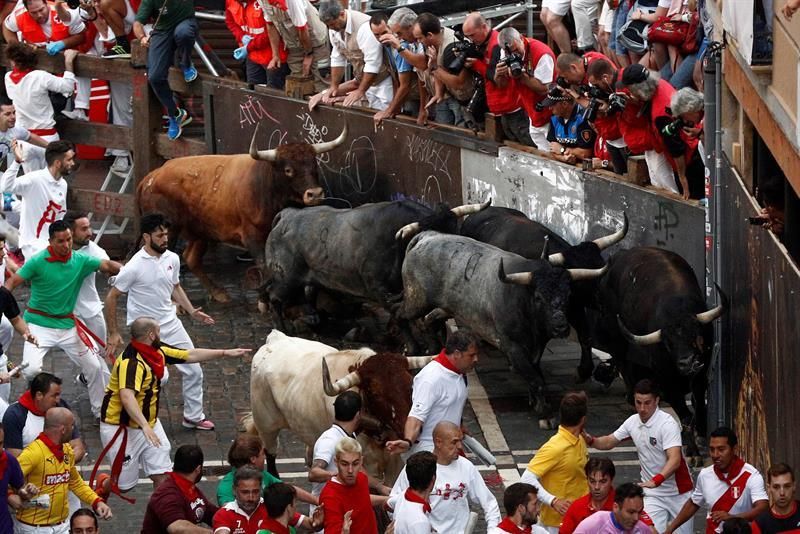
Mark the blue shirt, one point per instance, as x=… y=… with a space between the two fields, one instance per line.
x=573 y=132
x=399 y=62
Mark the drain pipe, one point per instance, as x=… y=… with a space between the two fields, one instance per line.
x=712 y=71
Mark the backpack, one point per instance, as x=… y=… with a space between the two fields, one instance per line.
x=633 y=36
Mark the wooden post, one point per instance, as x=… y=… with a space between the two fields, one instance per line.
x=146 y=125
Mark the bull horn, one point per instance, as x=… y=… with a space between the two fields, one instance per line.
x=557 y=259
x=321 y=148
x=587 y=274
x=343 y=384
x=418 y=362
x=407 y=231
x=469 y=209
x=261 y=155
x=714 y=313
x=523 y=279
x=544 y=248
x=649 y=339
x=612 y=239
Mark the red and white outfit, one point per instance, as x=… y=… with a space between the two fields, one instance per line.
x=734 y=492
x=325 y=450
x=438 y=394
x=412 y=515
x=457 y=484
x=231 y=519
x=149 y=282
x=652 y=439
x=541 y=61
x=89 y=306
x=507 y=525
x=44 y=201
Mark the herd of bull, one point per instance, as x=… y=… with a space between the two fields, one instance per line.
x=508 y=279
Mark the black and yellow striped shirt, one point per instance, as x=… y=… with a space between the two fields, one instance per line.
x=132 y=372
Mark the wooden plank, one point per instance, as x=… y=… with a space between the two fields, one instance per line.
x=760 y=115
x=96 y=133
x=184 y=146
x=146 y=120
x=85 y=66
x=177 y=83
x=103 y=203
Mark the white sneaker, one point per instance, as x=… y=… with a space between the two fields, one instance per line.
x=77 y=114
x=121 y=164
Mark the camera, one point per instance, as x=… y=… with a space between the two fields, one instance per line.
x=562 y=82
x=616 y=103
x=463 y=50
x=673 y=128
x=513 y=61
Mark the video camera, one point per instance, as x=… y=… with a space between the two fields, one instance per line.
x=673 y=128
x=616 y=102
x=463 y=50
x=514 y=61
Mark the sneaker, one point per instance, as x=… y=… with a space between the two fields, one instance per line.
x=118 y=51
x=174 y=130
x=190 y=74
x=205 y=424
x=76 y=114
x=102 y=486
x=121 y=164
x=183 y=117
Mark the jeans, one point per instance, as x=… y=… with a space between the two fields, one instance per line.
x=449 y=112
x=161 y=56
x=259 y=74
x=683 y=75
x=517 y=127
x=620 y=17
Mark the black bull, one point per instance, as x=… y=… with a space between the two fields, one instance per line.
x=356 y=252
x=466 y=279
x=511 y=230
x=655 y=324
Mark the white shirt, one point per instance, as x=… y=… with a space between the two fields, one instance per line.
x=456 y=484
x=31 y=96
x=149 y=282
x=325 y=450
x=44 y=200
x=710 y=488
x=296 y=10
x=438 y=394
x=369 y=45
x=652 y=439
x=535 y=529
x=89 y=303
x=410 y=518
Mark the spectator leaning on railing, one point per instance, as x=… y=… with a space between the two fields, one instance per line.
x=245 y=20
x=174 y=30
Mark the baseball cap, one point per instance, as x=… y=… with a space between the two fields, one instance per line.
x=632 y=74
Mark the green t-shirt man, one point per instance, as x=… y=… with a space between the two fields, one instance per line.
x=55 y=286
x=225 y=487
x=173 y=12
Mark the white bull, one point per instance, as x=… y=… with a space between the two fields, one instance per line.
x=287 y=391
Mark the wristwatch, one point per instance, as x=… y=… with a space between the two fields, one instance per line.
x=403 y=47
x=563 y=150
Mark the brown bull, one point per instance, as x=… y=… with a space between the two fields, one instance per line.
x=232 y=199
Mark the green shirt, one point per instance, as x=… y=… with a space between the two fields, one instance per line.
x=265 y=531
x=55 y=286
x=173 y=12
x=225 y=487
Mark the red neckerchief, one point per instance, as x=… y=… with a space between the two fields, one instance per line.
x=274 y=527
x=56 y=258
x=733 y=470
x=279 y=3
x=57 y=450
x=187 y=487
x=26 y=400
x=17 y=74
x=152 y=356
x=446 y=363
x=509 y=526
x=3 y=463
x=410 y=496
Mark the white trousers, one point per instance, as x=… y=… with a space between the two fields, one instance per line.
x=97 y=324
x=539 y=136
x=22 y=528
x=121 y=109
x=5 y=389
x=173 y=333
x=662 y=510
x=660 y=171
x=68 y=341
x=138 y=453
x=585 y=14
x=83 y=93
x=380 y=96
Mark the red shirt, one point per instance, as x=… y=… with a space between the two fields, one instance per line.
x=231 y=516
x=167 y=505
x=337 y=499
x=769 y=523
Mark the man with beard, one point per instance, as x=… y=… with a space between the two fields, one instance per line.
x=152 y=281
x=522 y=511
x=246 y=513
x=130 y=408
x=56 y=275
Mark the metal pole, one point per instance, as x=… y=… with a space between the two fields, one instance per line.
x=509 y=19
x=529 y=10
x=213 y=17
x=204 y=57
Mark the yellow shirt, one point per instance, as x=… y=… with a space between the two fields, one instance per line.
x=56 y=478
x=559 y=467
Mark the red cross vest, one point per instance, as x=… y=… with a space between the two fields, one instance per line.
x=33 y=33
x=250 y=18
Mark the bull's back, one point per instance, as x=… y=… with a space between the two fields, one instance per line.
x=511 y=230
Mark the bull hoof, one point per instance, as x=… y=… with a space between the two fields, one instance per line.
x=220 y=295
x=546 y=424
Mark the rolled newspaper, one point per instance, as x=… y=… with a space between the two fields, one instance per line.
x=475 y=447
x=18 y=369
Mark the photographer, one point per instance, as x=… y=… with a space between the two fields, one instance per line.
x=502 y=95
x=571 y=137
x=602 y=77
x=452 y=85
x=532 y=64
x=682 y=136
x=574 y=69
x=648 y=126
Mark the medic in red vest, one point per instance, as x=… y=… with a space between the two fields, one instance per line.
x=246 y=22
x=30 y=19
